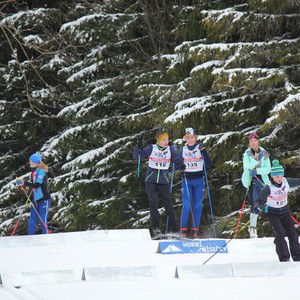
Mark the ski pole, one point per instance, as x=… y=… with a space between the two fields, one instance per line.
x=236 y=229
x=139 y=166
x=139 y=144
x=172 y=177
x=259 y=181
x=242 y=228
x=295 y=220
x=171 y=188
x=32 y=204
x=209 y=199
x=240 y=214
x=18 y=222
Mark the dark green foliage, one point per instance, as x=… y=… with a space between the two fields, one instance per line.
x=81 y=81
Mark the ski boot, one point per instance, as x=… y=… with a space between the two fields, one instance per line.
x=195 y=233
x=252 y=232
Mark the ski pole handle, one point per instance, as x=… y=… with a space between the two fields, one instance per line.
x=19 y=181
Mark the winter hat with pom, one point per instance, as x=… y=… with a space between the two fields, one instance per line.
x=36 y=158
x=277 y=169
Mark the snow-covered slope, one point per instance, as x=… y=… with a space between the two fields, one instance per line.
x=129 y=267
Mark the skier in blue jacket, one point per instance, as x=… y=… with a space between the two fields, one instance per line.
x=160 y=156
x=194 y=156
x=40 y=193
x=275 y=198
x=257 y=166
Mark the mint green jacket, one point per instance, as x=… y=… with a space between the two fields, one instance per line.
x=250 y=163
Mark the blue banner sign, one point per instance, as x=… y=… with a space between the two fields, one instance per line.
x=193 y=246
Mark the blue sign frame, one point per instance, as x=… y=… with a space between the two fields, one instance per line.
x=193 y=246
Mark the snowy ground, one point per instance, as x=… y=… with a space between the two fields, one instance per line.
x=21 y=255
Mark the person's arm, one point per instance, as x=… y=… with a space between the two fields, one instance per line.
x=293 y=182
x=265 y=167
x=262 y=198
x=249 y=163
x=206 y=158
x=40 y=175
x=180 y=152
x=176 y=159
x=32 y=185
x=142 y=153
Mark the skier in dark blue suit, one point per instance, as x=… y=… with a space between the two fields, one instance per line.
x=160 y=156
x=40 y=193
x=194 y=156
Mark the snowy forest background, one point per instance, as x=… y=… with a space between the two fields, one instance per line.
x=82 y=81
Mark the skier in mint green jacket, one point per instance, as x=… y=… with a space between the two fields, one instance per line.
x=257 y=166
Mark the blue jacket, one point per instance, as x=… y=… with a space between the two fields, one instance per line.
x=157 y=175
x=39 y=184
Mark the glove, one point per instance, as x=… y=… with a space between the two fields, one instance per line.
x=139 y=142
x=258 y=210
x=201 y=146
x=259 y=156
x=19 y=181
x=253 y=173
x=182 y=167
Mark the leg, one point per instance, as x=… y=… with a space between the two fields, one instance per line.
x=292 y=236
x=186 y=206
x=198 y=199
x=32 y=219
x=43 y=209
x=153 y=198
x=254 y=190
x=164 y=192
x=279 y=232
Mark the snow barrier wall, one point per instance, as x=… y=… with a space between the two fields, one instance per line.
x=24 y=278
x=126 y=273
x=261 y=269
x=268 y=269
x=76 y=237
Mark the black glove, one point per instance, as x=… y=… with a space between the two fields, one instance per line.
x=139 y=142
x=253 y=173
x=201 y=146
x=257 y=210
x=182 y=167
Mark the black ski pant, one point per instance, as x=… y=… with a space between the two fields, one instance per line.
x=283 y=225
x=157 y=192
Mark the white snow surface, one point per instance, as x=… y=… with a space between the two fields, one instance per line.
x=130 y=249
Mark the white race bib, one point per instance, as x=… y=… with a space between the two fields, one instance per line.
x=192 y=159
x=278 y=196
x=160 y=159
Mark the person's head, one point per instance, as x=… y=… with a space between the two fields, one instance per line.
x=162 y=139
x=277 y=171
x=254 y=141
x=35 y=159
x=190 y=136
